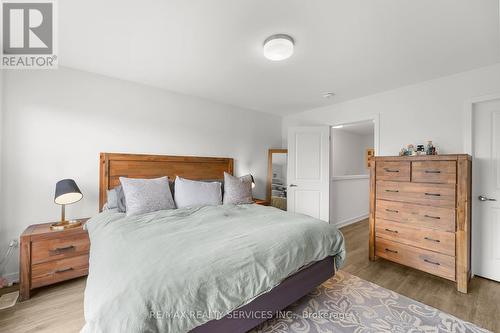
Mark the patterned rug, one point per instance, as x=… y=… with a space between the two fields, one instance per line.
x=347 y=303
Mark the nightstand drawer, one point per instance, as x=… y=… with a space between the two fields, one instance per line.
x=54 y=249
x=59 y=270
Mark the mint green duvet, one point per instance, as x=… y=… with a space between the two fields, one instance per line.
x=173 y=270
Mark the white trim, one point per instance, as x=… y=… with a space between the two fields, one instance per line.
x=351 y=220
x=469 y=108
x=469 y=149
x=349 y=177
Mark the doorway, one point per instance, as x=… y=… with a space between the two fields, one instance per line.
x=351 y=146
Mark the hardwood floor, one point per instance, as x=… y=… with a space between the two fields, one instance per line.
x=480 y=306
x=59 y=308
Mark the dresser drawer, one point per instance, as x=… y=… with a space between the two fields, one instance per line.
x=429 y=239
x=428 y=261
x=416 y=215
x=59 y=270
x=440 y=195
x=443 y=172
x=395 y=171
x=53 y=249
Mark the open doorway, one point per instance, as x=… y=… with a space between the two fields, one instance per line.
x=351 y=145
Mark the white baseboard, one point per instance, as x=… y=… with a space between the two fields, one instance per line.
x=351 y=220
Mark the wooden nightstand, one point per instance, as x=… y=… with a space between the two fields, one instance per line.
x=48 y=257
x=261 y=202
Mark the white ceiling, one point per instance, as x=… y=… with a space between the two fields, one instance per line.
x=213 y=49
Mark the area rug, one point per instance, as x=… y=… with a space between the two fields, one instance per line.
x=346 y=303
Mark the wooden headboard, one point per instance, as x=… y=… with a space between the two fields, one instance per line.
x=112 y=166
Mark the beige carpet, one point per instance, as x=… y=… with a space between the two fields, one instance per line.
x=347 y=303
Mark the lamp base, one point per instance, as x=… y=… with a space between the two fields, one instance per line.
x=64 y=225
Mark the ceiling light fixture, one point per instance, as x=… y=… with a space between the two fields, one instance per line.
x=338 y=126
x=328 y=94
x=278 y=47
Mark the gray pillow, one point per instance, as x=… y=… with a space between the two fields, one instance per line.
x=112 y=200
x=120 y=199
x=191 y=193
x=115 y=199
x=237 y=190
x=146 y=195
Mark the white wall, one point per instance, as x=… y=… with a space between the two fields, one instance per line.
x=348 y=152
x=349 y=199
x=56 y=123
x=432 y=110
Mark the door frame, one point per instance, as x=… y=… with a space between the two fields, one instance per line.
x=469 y=107
x=375 y=118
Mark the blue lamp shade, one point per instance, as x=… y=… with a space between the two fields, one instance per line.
x=67 y=192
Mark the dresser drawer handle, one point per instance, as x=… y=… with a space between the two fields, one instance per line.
x=390 y=170
x=432 y=262
x=63 y=270
x=63 y=249
x=433 y=194
x=432 y=240
x=392 y=191
x=390 y=230
x=432 y=171
x=391 y=210
x=432 y=217
x=392 y=251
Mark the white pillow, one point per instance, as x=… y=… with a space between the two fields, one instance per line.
x=191 y=193
x=146 y=195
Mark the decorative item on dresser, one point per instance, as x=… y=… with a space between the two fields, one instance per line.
x=48 y=257
x=420 y=213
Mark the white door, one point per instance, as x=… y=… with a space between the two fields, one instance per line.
x=309 y=171
x=486 y=190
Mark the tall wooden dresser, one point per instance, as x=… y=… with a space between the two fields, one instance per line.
x=420 y=213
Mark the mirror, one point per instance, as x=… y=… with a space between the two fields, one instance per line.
x=276 y=178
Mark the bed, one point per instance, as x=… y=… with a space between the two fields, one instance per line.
x=202 y=269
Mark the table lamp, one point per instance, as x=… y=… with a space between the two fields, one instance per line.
x=67 y=192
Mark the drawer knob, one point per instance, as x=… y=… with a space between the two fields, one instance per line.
x=63 y=249
x=63 y=270
x=390 y=170
x=392 y=251
x=391 y=210
x=432 y=262
x=392 y=191
x=432 y=239
x=432 y=217
x=432 y=171
x=433 y=194
x=390 y=230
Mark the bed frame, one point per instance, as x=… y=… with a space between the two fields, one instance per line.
x=113 y=166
